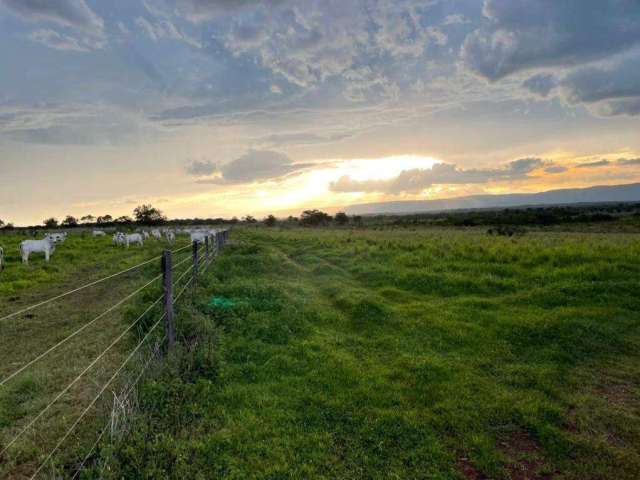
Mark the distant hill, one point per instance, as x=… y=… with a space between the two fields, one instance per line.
x=599 y=194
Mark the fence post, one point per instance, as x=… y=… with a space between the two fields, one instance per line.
x=167 y=283
x=206 y=246
x=194 y=272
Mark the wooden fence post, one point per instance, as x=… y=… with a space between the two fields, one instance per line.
x=206 y=246
x=167 y=283
x=194 y=272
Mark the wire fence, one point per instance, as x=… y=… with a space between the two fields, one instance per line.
x=204 y=249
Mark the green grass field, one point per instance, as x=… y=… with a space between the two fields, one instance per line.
x=79 y=260
x=441 y=354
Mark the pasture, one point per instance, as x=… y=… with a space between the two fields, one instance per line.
x=388 y=353
x=79 y=260
x=440 y=354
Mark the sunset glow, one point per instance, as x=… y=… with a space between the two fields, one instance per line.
x=107 y=105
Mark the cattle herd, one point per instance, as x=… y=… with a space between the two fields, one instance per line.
x=47 y=245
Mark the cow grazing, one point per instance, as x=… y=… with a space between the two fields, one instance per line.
x=156 y=234
x=46 y=246
x=146 y=234
x=119 y=239
x=198 y=237
x=98 y=233
x=171 y=237
x=133 y=238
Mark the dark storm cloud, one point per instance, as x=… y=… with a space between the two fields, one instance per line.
x=416 y=180
x=524 y=34
x=257 y=166
x=72 y=13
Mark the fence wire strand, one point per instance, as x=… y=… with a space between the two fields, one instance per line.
x=77 y=378
x=95 y=399
x=207 y=256
x=91 y=284
x=128 y=390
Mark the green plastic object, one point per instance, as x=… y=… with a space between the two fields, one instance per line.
x=222 y=302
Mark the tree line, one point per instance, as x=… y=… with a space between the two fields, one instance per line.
x=142 y=215
x=310 y=218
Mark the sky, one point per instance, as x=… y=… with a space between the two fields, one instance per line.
x=227 y=108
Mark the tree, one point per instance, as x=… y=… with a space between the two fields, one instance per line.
x=88 y=218
x=292 y=219
x=249 y=219
x=270 y=221
x=341 y=218
x=1 y=223
x=70 y=221
x=50 y=222
x=357 y=219
x=124 y=219
x=104 y=219
x=148 y=215
x=314 y=218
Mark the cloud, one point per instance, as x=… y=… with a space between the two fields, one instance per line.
x=202 y=10
x=613 y=86
x=540 y=84
x=552 y=168
x=455 y=19
x=57 y=41
x=302 y=138
x=257 y=166
x=69 y=13
x=71 y=125
x=165 y=29
x=628 y=161
x=201 y=168
x=625 y=106
x=366 y=46
x=525 y=34
x=596 y=164
x=416 y=180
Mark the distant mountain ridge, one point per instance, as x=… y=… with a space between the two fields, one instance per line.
x=598 y=194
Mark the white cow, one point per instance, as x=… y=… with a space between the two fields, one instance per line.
x=171 y=237
x=133 y=238
x=146 y=234
x=1 y=258
x=47 y=246
x=56 y=237
x=119 y=239
x=198 y=236
x=98 y=233
x=156 y=234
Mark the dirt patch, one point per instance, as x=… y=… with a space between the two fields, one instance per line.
x=618 y=394
x=525 y=459
x=469 y=471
